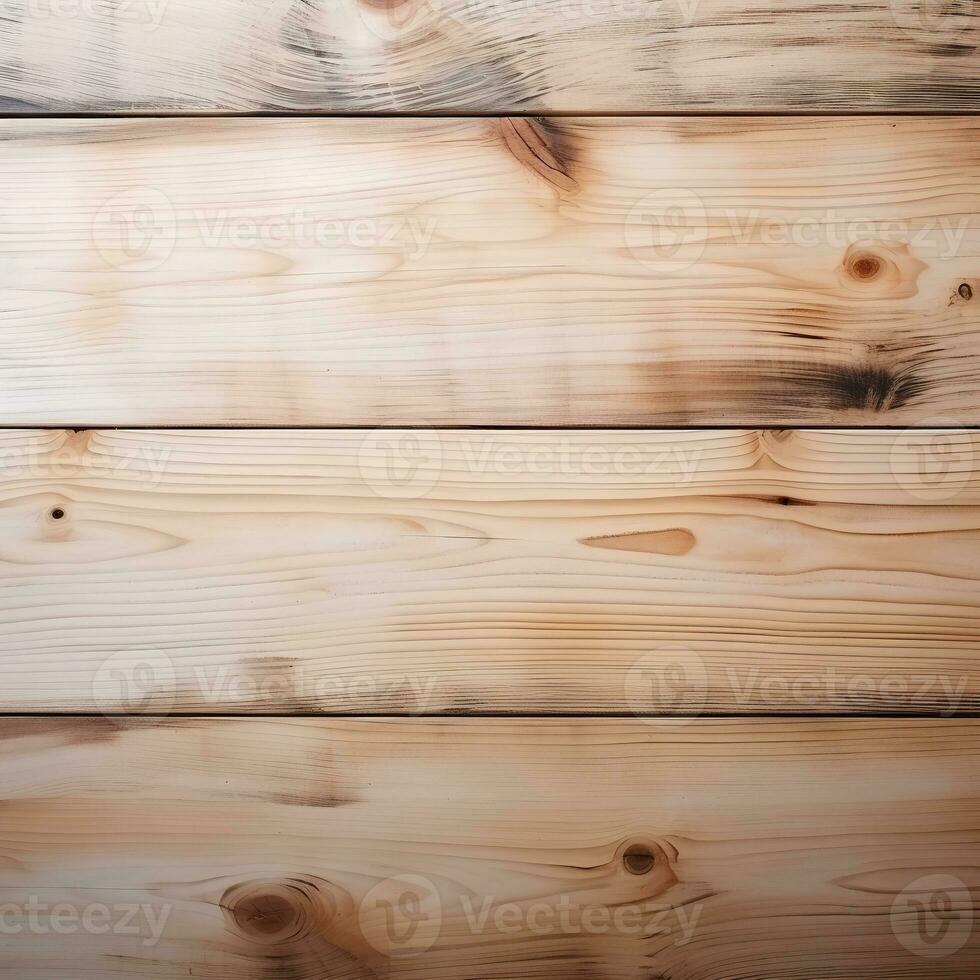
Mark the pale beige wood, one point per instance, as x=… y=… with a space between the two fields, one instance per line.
x=272 y=848
x=483 y=271
x=468 y=571
x=481 y=56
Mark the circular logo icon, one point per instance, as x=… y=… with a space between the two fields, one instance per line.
x=933 y=916
x=135 y=230
x=401 y=916
x=131 y=684
x=934 y=462
x=402 y=464
x=666 y=230
x=931 y=15
x=394 y=20
x=666 y=682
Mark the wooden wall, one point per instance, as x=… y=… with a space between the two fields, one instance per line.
x=489 y=491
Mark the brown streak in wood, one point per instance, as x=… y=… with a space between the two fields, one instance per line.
x=675 y=542
x=533 y=142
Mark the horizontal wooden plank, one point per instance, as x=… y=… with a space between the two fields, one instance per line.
x=499 y=57
x=490 y=849
x=491 y=272
x=467 y=571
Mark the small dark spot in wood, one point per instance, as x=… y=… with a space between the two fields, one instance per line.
x=638 y=859
x=780 y=501
x=965 y=290
x=864 y=266
x=57 y=514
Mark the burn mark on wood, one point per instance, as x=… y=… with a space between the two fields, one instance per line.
x=538 y=145
x=68 y=731
x=869 y=386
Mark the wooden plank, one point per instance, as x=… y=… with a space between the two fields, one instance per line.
x=506 y=56
x=490 y=849
x=454 y=572
x=479 y=271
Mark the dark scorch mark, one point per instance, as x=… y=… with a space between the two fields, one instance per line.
x=538 y=145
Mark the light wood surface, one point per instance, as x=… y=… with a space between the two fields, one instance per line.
x=418 y=848
x=481 y=271
x=437 y=571
x=495 y=56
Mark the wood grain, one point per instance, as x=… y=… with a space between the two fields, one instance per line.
x=455 y=572
x=497 y=57
x=410 y=848
x=479 y=271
